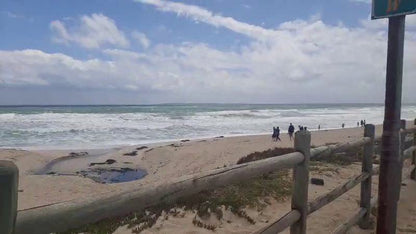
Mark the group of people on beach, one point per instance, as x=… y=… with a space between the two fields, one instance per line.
x=291 y=130
x=362 y=123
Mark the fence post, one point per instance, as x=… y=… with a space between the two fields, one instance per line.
x=413 y=173
x=9 y=175
x=402 y=138
x=367 y=167
x=301 y=181
x=402 y=142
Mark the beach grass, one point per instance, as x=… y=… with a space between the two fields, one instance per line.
x=252 y=193
x=206 y=203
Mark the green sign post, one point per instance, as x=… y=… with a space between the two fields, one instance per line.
x=390 y=161
x=388 y=8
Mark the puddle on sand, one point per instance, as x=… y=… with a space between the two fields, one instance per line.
x=114 y=175
x=83 y=164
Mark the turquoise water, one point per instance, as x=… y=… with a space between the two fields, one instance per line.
x=104 y=126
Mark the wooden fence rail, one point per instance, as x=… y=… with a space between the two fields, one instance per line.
x=327 y=198
x=71 y=214
x=327 y=150
x=356 y=218
x=362 y=215
x=347 y=225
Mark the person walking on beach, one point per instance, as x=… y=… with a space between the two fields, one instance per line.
x=278 y=134
x=343 y=125
x=291 y=130
x=274 y=134
x=319 y=127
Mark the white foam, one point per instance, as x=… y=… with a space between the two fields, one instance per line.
x=99 y=130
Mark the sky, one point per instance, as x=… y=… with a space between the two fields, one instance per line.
x=196 y=51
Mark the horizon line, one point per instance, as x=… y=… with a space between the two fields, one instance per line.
x=197 y=103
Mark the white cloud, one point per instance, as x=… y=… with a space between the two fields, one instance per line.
x=326 y=63
x=92 y=32
x=302 y=61
x=141 y=38
x=197 y=13
x=17 y=16
x=12 y=15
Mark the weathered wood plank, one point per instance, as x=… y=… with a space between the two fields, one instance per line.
x=407 y=153
x=410 y=130
x=327 y=198
x=284 y=222
x=361 y=213
x=343 y=228
x=9 y=177
x=320 y=201
x=367 y=167
x=402 y=143
x=301 y=182
x=72 y=214
x=351 y=222
x=331 y=149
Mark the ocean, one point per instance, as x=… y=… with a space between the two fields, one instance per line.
x=77 y=127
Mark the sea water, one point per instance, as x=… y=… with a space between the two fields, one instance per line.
x=69 y=127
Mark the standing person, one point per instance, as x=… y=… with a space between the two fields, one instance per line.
x=319 y=127
x=274 y=134
x=358 y=124
x=343 y=125
x=278 y=134
x=291 y=130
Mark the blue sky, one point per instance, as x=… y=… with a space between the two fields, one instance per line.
x=152 y=51
x=25 y=24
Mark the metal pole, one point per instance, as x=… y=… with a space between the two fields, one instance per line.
x=390 y=165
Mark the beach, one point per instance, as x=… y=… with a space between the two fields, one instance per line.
x=164 y=162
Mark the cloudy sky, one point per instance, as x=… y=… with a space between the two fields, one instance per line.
x=156 y=51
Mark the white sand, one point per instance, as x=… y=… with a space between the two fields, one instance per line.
x=166 y=162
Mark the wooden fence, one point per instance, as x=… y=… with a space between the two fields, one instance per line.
x=9 y=176
x=71 y=214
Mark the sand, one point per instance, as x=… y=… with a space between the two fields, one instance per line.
x=164 y=162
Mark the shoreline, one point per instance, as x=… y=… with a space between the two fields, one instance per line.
x=161 y=161
x=156 y=143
